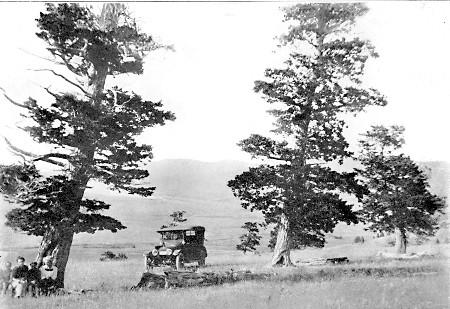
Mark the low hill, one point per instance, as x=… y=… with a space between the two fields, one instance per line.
x=200 y=189
x=193 y=179
x=207 y=181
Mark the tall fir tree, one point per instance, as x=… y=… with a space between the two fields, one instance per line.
x=92 y=132
x=320 y=81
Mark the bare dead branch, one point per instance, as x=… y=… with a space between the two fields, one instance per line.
x=48 y=91
x=48 y=160
x=11 y=100
x=53 y=61
x=67 y=64
x=276 y=158
x=22 y=153
x=65 y=78
x=18 y=150
x=54 y=155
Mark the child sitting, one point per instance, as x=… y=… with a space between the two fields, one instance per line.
x=47 y=284
x=34 y=277
x=6 y=278
x=19 y=277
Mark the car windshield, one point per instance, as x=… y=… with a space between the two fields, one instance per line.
x=172 y=235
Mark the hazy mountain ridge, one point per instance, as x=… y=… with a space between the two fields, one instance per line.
x=200 y=189
x=184 y=178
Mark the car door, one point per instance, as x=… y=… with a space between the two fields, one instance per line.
x=191 y=249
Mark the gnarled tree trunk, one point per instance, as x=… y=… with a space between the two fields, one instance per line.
x=61 y=255
x=56 y=244
x=48 y=243
x=400 y=240
x=282 y=253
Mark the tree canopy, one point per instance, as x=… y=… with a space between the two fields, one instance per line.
x=398 y=197
x=320 y=81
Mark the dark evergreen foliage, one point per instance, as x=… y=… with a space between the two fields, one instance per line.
x=250 y=239
x=320 y=81
x=398 y=195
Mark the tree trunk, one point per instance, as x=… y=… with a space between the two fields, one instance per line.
x=56 y=243
x=61 y=255
x=400 y=241
x=282 y=254
x=48 y=243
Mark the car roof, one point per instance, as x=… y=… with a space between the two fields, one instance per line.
x=182 y=228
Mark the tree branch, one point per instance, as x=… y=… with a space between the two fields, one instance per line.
x=53 y=61
x=11 y=100
x=70 y=67
x=65 y=78
x=54 y=155
x=48 y=91
x=34 y=157
x=276 y=158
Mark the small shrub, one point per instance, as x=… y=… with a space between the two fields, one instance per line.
x=250 y=239
x=391 y=242
x=121 y=256
x=337 y=237
x=359 y=239
x=108 y=255
x=421 y=239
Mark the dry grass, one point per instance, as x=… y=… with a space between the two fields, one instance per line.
x=365 y=284
x=348 y=292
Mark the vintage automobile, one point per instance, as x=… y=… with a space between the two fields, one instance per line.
x=178 y=245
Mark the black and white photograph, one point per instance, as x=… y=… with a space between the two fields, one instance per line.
x=225 y=154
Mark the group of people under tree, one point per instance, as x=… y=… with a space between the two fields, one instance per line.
x=22 y=279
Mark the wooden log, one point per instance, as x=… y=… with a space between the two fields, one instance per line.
x=186 y=278
x=150 y=281
x=338 y=260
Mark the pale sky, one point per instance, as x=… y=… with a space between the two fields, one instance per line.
x=222 y=48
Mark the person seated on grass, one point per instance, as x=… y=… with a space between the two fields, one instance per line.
x=47 y=285
x=6 y=278
x=34 y=277
x=19 y=276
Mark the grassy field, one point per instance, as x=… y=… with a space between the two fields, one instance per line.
x=368 y=283
x=357 y=292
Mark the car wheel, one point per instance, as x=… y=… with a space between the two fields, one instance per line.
x=179 y=262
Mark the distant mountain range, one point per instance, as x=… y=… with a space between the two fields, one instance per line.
x=208 y=180
x=193 y=179
x=200 y=189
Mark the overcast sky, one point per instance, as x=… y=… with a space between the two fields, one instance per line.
x=222 y=48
